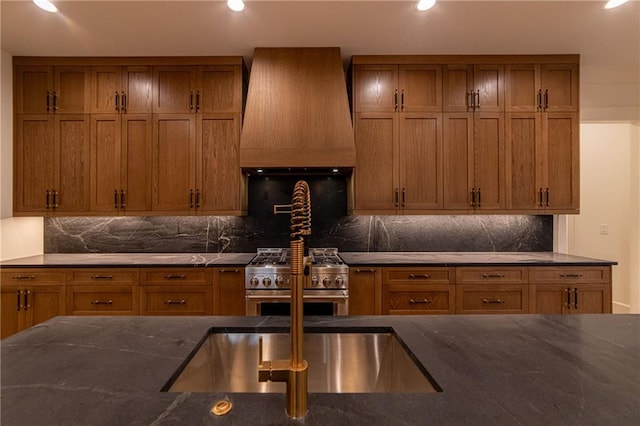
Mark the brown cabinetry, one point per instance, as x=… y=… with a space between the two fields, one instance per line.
x=102 y=292
x=473 y=88
x=365 y=291
x=570 y=290
x=542 y=87
x=41 y=89
x=486 y=290
x=176 y=291
x=228 y=291
x=121 y=89
x=413 y=291
x=29 y=297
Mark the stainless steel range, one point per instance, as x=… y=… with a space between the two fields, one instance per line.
x=268 y=283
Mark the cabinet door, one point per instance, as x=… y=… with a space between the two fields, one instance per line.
x=34 y=162
x=522 y=86
x=72 y=133
x=561 y=159
x=523 y=153
x=458 y=160
x=105 y=88
x=376 y=88
x=420 y=88
x=136 y=170
x=173 y=162
x=176 y=300
x=418 y=299
x=33 y=89
x=218 y=167
x=376 y=186
x=44 y=302
x=551 y=299
x=136 y=88
x=102 y=300
x=365 y=291
x=72 y=90
x=12 y=311
x=457 y=81
x=559 y=84
x=173 y=89
x=488 y=83
x=105 y=162
x=219 y=90
x=229 y=291
x=420 y=161
x=492 y=299
x=488 y=159
x=591 y=299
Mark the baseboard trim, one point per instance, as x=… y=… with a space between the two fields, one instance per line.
x=620 y=308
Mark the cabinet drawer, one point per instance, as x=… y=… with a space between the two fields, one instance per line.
x=418 y=275
x=414 y=300
x=176 y=300
x=103 y=276
x=491 y=275
x=570 y=275
x=102 y=300
x=175 y=276
x=32 y=277
x=492 y=299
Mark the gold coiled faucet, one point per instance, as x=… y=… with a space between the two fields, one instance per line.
x=294 y=370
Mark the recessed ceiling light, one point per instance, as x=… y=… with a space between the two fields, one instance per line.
x=425 y=5
x=614 y=3
x=235 y=5
x=46 y=5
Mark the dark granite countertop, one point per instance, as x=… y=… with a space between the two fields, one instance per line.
x=120 y=260
x=494 y=370
x=469 y=259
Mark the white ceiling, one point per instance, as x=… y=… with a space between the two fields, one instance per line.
x=172 y=28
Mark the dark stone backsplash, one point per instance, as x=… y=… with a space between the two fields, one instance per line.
x=331 y=227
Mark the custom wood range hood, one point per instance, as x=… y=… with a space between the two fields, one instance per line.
x=297 y=114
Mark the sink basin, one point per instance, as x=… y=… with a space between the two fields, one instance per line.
x=344 y=362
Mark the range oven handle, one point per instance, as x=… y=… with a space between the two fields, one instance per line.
x=305 y=297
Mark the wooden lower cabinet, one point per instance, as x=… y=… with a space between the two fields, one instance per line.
x=492 y=299
x=418 y=290
x=176 y=291
x=228 y=291
x=30 y=297
x=570 y=290
x=365 y=291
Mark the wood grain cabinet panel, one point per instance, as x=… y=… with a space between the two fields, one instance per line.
x=492 y=275
x=365 y=291
x=418 y=290
x=121 y=90
x=102 y=300
x=176 y=300
x=542 y=87
x=473 y=88
x=41 y=89
x=492 y=299
x=228 y=291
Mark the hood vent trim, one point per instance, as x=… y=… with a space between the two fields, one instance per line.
x=297 y=114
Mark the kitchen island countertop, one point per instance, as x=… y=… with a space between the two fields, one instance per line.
x=493 y=370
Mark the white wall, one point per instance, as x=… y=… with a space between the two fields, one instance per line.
x=22 y=236
x=609 y=182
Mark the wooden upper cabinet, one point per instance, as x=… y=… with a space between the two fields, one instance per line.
x=523 y=150
x=561 y=166
x=542 y=87
x=120 y=90
x=173 y=89
x=473 y=88
x=398 y=88
x=219 y=89
x=49 y=90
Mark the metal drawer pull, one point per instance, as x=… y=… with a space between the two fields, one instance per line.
x=175 y=302
x=24 y=277
x=101 y=277
x=102 y=302
x=370 y=271
x=575 y=297
x=175 y=277
x=493 y=301
x=413 y=302
x=18 y=293
x=568 y=292
x=418 y=276
x=571 y=275
x=26 y=300
x=234 y=271
x=492 y=275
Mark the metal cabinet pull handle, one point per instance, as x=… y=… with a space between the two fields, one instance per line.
x=413 y=302
x=117 y=97
x=539 y=100
x=197 y=100
x=175 y=302
x=191 y=198
x=397 y=202
x=395 y=100
x=115 y=198
x=175 y=277
x=540 y=197
x=570 y=275
x=191 y=101
x=568 y=293
x=546 y=99
x=47 y=100
x=419 y=276
x=101 y=277
x=546 y=191
x=477 y=105
x=102 y=302
x=197 y=198
x=404 y=196
x=473 y=197
x=492 y=275
x=48 y=204
x=124 y=102
x=55 y=101
x=231 y=271
x=575 y=297
x=55 y=199
x=26 y=300
x=123 y=199
x=402 y=101
x=369 y=271
x=479 y=197
x=18 y=293
x=493 y=301
x=24 y=277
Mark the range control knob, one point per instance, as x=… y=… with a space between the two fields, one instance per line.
x=326 y=282
x=254 y=282
x=314 y=281
x=266 y=281
x=279 y=281
x=339 y=282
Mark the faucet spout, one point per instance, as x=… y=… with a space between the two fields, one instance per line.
x=294 y=371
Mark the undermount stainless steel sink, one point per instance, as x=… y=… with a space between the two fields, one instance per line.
x=351 y=362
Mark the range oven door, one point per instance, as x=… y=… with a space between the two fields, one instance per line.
x=278 y=302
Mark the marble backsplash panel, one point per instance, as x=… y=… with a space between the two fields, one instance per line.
x=230 y=234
